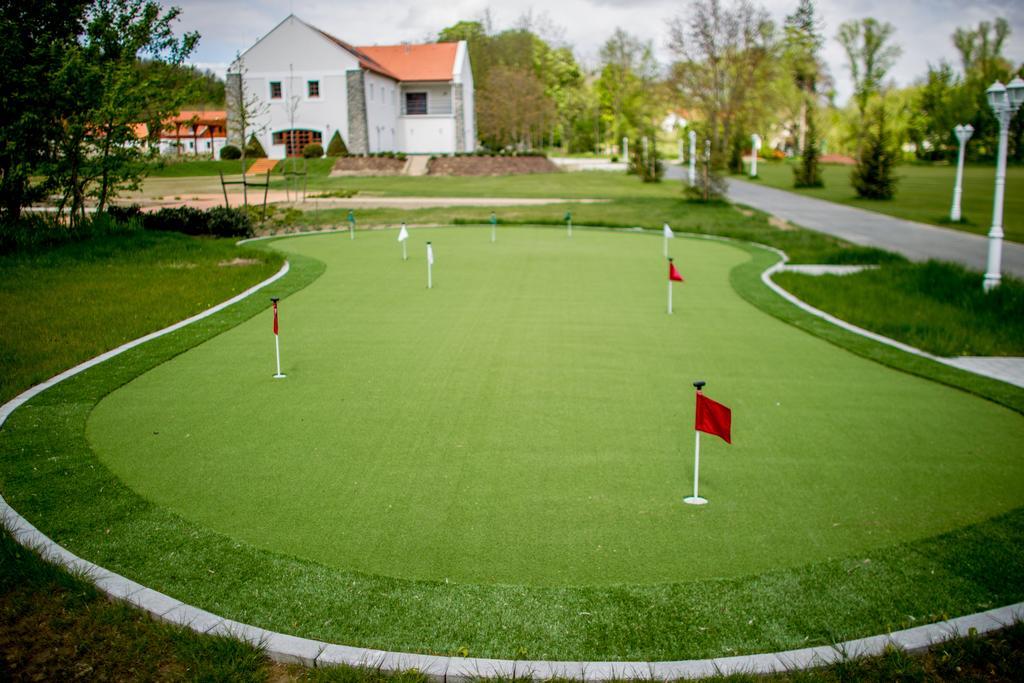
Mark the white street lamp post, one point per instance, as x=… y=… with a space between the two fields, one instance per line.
x=693 y=157
x=755 y=145
x=963 y=134
x=625 y=149
x=1005 y=100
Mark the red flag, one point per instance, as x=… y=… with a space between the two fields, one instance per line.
x=673 y=274
x=275 y=317
x=713 y=418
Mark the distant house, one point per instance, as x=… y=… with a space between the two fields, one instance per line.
x=308 y=84
x=190 y=132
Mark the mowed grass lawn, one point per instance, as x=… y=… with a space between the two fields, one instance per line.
x=528 y=422
x=924 y=194
x=141 y=280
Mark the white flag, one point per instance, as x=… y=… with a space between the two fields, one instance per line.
x=667 y=231
x=430 y=255
x=403 y=234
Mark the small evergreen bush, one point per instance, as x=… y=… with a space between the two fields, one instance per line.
x=229 y=152
x=336 y=147
x=808 y=173
x=313 y=150
x=254 y=150
x=873 y=176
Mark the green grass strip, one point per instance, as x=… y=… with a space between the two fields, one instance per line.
x=49 y=474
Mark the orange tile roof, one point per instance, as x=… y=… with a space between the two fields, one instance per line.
x=432 y=62
x=365 y=61
x=207 y=117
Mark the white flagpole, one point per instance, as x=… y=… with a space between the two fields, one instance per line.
x=430 y=268
x=277 y=351
x=670 y=297
x=695 y=499
x=696 y=463
x=277 y=341
x=405 y=255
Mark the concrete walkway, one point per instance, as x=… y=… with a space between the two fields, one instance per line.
x=916 y=241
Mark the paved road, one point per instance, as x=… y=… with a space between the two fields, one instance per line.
x=916 y=241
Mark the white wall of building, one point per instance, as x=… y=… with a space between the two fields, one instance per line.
x=311 y=57
x=463 y=73
x=294 y=53
x=427 y=134
x=382 y=107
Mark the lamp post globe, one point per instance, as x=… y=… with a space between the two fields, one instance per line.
x=1005 y=100
x=963 y=134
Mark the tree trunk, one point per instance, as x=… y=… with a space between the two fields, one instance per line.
x=802 y=139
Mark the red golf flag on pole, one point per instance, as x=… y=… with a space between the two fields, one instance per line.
x=713 y=418
x=275 y=317
x=673 y=274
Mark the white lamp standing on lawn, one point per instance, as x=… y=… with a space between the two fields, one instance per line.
x=963 y=134
x=755 y=146
x=693 y=157
x=1005 y=100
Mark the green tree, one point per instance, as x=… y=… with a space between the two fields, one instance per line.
x=981 y=54
x=34 y=37
x=943 y=101
x=869 y=55
x=727 y=59
x=106 y=94
x=808 y=173
x=802 y=54
x=628 y=71
x=873 y=176
x=513 y=109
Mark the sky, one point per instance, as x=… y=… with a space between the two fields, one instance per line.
x=923 y=27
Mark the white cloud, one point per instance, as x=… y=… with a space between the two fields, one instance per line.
x=923 y=27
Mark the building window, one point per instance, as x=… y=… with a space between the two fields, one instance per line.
x=296 y=140
x=275 y=90
x=371 y=92
x=415 y=103
x=313 y=88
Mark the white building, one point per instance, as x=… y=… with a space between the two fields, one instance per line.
x=306 y=84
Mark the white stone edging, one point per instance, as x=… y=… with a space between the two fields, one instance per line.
x=294 y=650
x=766 y=278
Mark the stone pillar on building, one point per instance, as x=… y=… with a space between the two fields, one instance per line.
x=460 y=117
x=232 y=97
x=358 y=126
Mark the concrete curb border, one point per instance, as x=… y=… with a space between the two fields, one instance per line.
x=313 y=653
x=766 y=278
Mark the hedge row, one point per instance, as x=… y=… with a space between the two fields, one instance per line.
x=218 y=221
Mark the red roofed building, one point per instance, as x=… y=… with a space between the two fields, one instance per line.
x=305 y=85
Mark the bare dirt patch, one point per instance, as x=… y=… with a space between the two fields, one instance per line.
x=238 y=262
x=494 y=165
x=361 y=166
x=780 y=223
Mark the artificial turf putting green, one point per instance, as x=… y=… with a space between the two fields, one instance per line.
x=528 y=421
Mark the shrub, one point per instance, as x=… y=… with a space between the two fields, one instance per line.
x=36 y=231
x=254 y=149
x=873 y=177
x=219 y=221
x=313 y=150
x=808 y=173
x=229 y=152
x=647 y=166
x=336 y=147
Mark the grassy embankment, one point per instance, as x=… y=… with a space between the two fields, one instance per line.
x=924 y=194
